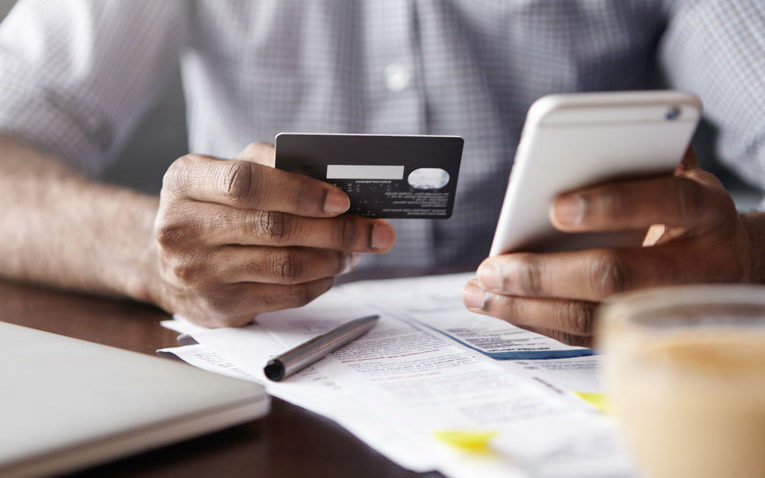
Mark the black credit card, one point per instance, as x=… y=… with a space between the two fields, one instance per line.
x=393 y=176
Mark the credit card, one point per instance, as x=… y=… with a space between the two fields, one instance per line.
x=394 y=176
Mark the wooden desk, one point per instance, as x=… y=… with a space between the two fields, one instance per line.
x=289 y=442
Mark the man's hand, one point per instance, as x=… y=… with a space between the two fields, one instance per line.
x=236 y=238
x=695 y=236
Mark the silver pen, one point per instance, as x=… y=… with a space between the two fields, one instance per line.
x=317 y=348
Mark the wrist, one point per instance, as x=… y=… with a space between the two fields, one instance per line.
x=144 y=284
x=140 y=279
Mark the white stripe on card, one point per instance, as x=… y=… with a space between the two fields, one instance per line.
x=362 y=171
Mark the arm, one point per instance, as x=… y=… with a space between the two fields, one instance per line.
x=61 y=229
x=225 y=240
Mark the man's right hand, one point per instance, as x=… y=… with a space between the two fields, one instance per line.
x=236 y=238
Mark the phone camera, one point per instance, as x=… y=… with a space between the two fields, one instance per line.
x=673 y=113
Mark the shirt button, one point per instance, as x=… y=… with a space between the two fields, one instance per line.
x=397 y=76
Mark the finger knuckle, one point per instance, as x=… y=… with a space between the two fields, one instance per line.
x=576 y=317
x=271 y=225
x=286 y=266
x=560 y=336
x=610 y=274
x=236 y=180
x=570 y=339
x=585 y=320
x=185 y=271
x=579 y=340
x=174 y=227
x=170 y=236
x=176 y=176
x=303 y=197
x=512 y=309
x=171 y=232
x=528 y=274
x=347 y=229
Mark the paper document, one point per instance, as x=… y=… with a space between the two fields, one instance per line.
x=437 y=303
x=429 y=367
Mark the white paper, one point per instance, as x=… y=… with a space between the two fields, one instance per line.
x=417 y=372
x=437 y=302
x=206 y=359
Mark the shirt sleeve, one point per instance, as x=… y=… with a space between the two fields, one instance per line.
x=716 y=49
x=76 y=74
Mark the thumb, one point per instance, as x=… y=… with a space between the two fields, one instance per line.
x=260 y=153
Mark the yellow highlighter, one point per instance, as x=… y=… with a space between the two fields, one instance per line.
x=598 y=400
x=477 y=441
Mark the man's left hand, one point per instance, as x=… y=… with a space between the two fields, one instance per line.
x=695 y=235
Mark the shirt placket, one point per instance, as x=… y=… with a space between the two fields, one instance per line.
x=396 y=105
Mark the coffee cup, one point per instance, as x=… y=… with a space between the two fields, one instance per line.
x=684 y=368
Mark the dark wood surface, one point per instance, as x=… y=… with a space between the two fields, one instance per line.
x=289 y=442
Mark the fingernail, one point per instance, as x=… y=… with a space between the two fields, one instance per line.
x=336 y=202
x=490 y=276
x=569 y=210
x=382 y=237
x=474 y=297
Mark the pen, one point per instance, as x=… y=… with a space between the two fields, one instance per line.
x=317 y=348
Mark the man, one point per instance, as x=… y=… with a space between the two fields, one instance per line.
x=227 y=240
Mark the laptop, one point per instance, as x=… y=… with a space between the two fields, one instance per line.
x=66 y=404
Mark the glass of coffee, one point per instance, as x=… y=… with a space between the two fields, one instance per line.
x=685 y=371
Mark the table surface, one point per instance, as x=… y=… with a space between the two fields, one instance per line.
x=289 y=441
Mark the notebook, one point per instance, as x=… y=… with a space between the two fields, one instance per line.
x=66 y=404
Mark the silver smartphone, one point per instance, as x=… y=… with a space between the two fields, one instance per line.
x=570 y=141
